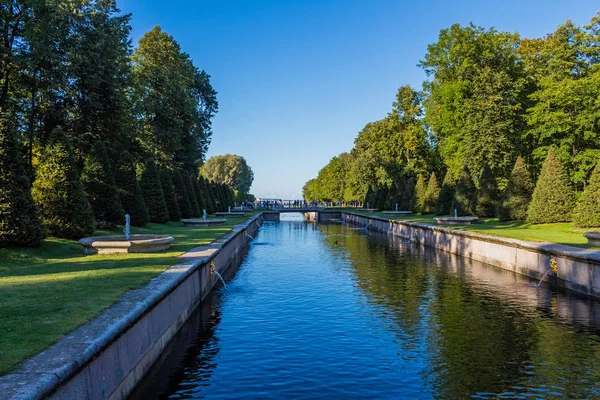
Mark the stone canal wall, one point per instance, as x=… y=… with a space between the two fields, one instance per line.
x=107 y=357
x=577 y=269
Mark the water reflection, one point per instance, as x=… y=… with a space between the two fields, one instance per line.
x=328 y=312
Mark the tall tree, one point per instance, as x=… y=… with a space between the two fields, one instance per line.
x=187 y=181
x=173 y=101
x=475 y=98
x=229 y=169
x=432 y=195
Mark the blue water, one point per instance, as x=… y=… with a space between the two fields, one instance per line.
x=323 y=311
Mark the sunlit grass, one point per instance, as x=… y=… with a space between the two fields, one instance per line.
x=562 y=233
x=49 y=291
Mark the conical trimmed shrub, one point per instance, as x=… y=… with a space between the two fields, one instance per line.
x=587 y=211
x=432 y=195
x=198 y=193
x=418 y=202
x=392 y=197
x=169 y=191
x=553 y=199
x=212 y=196
x=382 y=198
x=187 y=180
x=20 y=220
x=518 y=192
x=100 y=187
x=465 y=195
x=130 y=191
x=181 y=194
x=153 y=193
x=487 y=194
x=407 y=195
x=206 y=195
x=446 y=196
x=59 y=192
x=368 y=197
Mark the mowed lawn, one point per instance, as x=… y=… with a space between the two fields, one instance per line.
x=563 y=233
x=47 y=292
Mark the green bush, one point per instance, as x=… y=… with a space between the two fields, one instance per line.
x=198 y=193
x=407 y=194
x=130 y=191
x=100 y=187
x=487 y=194
x=59 y=192
x=20 y=220
x=153 y=193
x=465 y=195
x=212 y=196
x=208 y=205
x=553 y=199
x=392 y=197
x=418 y=202
x=517 y=195
x=432 y=195
x=368 y=197
x=382 y=197
x=194 y=207
x=444 y=204
x=587 y=211
x=176 y=209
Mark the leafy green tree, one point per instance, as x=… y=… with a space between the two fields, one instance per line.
x=477 y=97
x=553 y=199
x=100 y=187
x=368 y=197
x=419 y=195
x=565 y=113
x=212 y=196
x=194 y=207
x=465 y=195
x=130 y=191
x=587 y=212
x=517 y=194
x=170 y=191
x=173 y=101
x=487 y=194
x=407 y=198
x=432 y=194
x=153 y=193
x=59 y=192
x=182 y=195
x=20 y=221
x=382 y=197
x=444 y=204
x=229 y=169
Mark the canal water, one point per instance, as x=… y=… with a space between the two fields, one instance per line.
x=326 y=311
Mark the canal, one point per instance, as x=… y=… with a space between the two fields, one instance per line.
x=329 y=311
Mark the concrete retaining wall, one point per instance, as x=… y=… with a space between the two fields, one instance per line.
x=107 y=357
x=578 y=269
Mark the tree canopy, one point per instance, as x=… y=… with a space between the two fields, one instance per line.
x=229 y=169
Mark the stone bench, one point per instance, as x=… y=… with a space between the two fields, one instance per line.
x=593 y=238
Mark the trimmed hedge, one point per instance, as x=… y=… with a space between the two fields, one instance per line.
x=187 y=180
x=130 y=191
x=176 y=209
x=100 y=187
x=153 y=193
x=487 y=194
x=465 y=195
x=420 y=190
x=59 y=192
x=444 y=204
x=20 y=220
x=517 y=195
x=432 y=195
x=587 y=211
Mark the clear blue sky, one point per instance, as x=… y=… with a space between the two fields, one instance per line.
x=297 y=80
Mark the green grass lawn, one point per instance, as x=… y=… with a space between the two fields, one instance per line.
x=49 y=291
x=563 y=233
